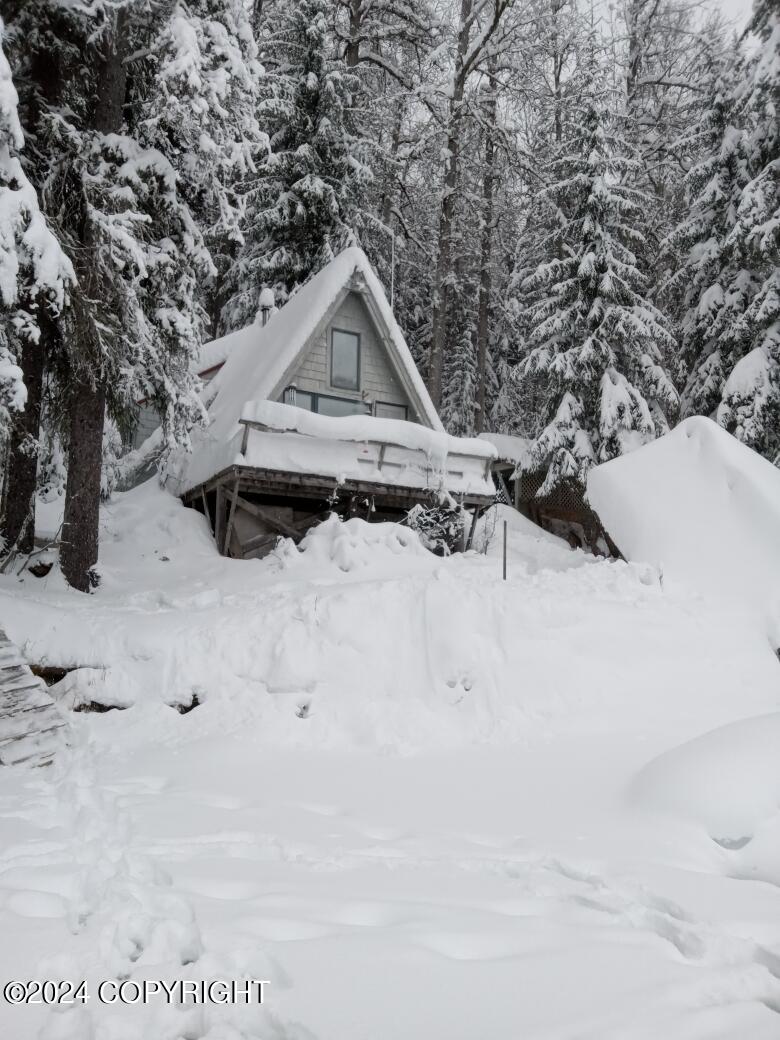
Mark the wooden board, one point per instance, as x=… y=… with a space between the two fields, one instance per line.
x=311 y=485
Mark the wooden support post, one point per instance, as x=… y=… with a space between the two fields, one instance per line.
x=473 y=527
x=233 y=500
x=219 y=519
x=505 y=550
x=206 y=510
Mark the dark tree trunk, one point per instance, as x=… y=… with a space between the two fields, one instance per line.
x=82 y=496
x=87 y=391
x=441 y=286
x=388 y=197
x=486 y=247
x=466 y=59
x=559 y=57
x=352 y=53
x=257 y=14
x=18 y=529
x=19 y=514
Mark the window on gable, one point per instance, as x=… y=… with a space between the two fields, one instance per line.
x=385 y=410
x=324 y=404
x=340 y=406
x=299 y=398
x=345 y=360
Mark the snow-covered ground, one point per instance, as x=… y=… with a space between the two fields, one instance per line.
x=419 y=800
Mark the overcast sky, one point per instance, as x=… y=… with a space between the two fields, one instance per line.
x=737 y=11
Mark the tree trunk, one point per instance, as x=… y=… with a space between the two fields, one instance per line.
x=389 y=194
x=19 y=516
x=486 y=246
x=558 y=60
x=447 y=212
x=639 y=22
x=48 y=75
x=82 y=496
x=352 y=53
x=87 y=397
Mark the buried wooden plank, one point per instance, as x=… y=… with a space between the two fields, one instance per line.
x=219 y=519
x=300 y=527
x=266 y=543
x=206 y=510
x=233 y=497
x=264 y=514
x=472 y=528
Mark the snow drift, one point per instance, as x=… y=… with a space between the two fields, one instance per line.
x=703 y=508
x=728 y=780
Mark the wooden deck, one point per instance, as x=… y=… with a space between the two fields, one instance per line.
x=287 y=504
x=31 y=726
x=252 y=503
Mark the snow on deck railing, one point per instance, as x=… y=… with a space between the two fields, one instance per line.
x=439 y=448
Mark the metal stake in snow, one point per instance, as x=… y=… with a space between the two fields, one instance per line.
x=505 y=550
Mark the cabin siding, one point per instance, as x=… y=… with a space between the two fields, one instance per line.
x=148 y=421
x=378 y=381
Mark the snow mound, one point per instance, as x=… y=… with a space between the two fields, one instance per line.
x=728 y=780
x=702 y=507
x=538 y=549
x=355 y=545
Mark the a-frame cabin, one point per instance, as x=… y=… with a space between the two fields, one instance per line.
x=319 y=409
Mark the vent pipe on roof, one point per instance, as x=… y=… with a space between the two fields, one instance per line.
x=266 y=304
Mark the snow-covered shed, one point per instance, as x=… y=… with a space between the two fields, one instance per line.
x=322 y=408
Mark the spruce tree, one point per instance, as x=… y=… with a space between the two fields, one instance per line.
x=710 y=288
x=35 y=277
x=458 y=406
x=134 y=323
x=595 y=338
x=750 y=408
x=728 y=285
x=306 y=202
x=204 y=116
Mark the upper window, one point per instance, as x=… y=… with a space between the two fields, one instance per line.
x=340 y=406
x=385 y=410
x=345 y=360
x=300 y=398
x=325 y=404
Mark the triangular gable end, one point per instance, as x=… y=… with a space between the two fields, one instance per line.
x=384 y=375
x=260 y=360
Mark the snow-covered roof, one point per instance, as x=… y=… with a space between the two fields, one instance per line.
x=212 y=355
x=702 y=507
x=260 y=358
x=508 y=447
x=259 y=361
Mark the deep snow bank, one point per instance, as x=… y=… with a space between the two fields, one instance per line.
x=700 y=506
x=360 y=638
x=728 y=779
x=727 y=782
